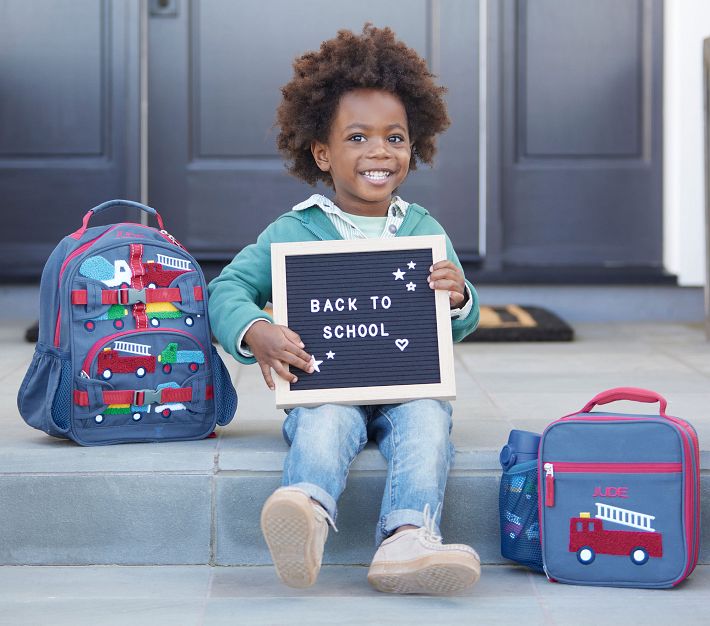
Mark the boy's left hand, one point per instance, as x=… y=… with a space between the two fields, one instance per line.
x=447 y=276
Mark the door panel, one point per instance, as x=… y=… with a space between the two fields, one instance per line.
x=581 y=178
x=574 y=165
x=68 y=120
x=216 y=70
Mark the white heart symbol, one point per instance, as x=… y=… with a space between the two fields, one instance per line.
x=402 y=343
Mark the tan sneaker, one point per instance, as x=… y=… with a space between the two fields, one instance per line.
x=295 y=529
x=415 y=561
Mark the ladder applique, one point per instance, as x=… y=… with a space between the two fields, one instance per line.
x=171 y=261
x=133 y=348
x=625 y=517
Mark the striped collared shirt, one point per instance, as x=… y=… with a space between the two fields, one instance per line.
x=346 y=227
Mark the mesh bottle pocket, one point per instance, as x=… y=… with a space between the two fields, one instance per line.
x=225 y=396
x=519 y=526
x=44 y=398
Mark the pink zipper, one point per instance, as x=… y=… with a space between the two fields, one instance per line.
x=619 y=468
x=95 y=348
x=691 y=498
x=163 y=233
x=601 y=468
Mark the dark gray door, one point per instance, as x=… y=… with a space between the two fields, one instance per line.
x=581 y=171
x=68 y=120
x=574 y=135
x=215 y=71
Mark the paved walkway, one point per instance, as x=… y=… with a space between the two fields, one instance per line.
x=200 y=595
x=499 y=387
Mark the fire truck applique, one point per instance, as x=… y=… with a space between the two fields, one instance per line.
x=154 y=275
x=588 y=536
x=119 y=274
x=139 y=360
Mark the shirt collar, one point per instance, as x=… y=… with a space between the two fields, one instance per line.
x=398 y=207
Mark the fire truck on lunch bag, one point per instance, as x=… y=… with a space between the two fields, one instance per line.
x=588 y=537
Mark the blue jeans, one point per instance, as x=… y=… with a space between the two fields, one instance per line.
x=413 y=437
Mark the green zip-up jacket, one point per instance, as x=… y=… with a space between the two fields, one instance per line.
x=239 y=294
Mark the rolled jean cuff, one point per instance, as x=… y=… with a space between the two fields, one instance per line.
x=319 y=494
x=399 y=517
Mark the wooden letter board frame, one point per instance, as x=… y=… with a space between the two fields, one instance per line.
x=445 y=389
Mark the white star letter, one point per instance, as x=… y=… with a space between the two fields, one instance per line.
x=411 y=286
x=399 y=274
x=411 y=265
x=315 y=364
x=330 y=355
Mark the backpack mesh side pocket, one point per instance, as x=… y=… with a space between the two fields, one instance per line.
x=61 y=405
x=225 y=396
x=44 y=399
x=519 y=526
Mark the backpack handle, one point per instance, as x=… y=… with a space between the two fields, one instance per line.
x=635 y=394
x=111 y=203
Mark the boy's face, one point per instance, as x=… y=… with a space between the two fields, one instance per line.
x=368 y=151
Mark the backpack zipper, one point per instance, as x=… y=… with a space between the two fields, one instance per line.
x=86 y=365
x=601 y=468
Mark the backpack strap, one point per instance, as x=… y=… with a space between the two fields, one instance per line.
x=140 y=397
x=132 y=296
x=77 y=234
x=137 y=282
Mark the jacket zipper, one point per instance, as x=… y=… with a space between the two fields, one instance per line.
x=601 y=468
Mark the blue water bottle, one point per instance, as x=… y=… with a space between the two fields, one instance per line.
x=519 y=528
x=522 y=446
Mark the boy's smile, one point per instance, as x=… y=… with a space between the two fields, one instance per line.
x=368 y=151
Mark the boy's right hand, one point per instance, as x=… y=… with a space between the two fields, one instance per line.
x=276 y=347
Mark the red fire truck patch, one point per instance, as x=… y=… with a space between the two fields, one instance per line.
x=588 y=536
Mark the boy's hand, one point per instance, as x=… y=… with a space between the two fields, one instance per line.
x=277 y=347
x=446 y=275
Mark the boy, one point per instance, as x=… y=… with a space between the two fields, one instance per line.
x=358 y=115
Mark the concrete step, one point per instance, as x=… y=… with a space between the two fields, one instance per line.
x=211 y=596
x=199 y=502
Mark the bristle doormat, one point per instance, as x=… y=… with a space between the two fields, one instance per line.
x=514 y=322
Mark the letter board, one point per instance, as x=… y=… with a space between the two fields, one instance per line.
x=365 y=312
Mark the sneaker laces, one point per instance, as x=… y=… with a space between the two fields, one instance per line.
x=427 y=531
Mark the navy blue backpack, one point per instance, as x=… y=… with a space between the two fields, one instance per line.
x=124 y=351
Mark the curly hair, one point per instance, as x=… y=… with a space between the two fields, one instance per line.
x=373 y=60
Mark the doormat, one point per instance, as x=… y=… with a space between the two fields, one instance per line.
x=514 y=322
